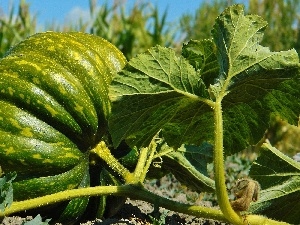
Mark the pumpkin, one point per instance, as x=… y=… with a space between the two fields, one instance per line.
x=53 y=108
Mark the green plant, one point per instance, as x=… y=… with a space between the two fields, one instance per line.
x=133 y=31
x=36 y=221
x=283 y=19
x=183 y=112
x=159 y=219
x=198 y=25
x=14 y=29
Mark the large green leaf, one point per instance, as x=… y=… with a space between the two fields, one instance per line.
x=153 y=88
x=161 y=91
x=279 y=177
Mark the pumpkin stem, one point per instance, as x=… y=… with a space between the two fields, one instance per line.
x=104 y=153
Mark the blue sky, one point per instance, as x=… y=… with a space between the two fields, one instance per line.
x=59 y=11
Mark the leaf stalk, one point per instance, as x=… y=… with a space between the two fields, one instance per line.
x=139 y=169
x=151 y=152
x=219 y=169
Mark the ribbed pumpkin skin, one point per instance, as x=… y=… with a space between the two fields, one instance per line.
x=53 y=107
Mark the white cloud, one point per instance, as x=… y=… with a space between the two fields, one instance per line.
x=76 y=13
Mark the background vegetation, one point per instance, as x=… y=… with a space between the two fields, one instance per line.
x=136 y=29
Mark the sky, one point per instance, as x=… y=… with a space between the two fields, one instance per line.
x=60 y=11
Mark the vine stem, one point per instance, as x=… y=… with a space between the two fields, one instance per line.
x=219 y=169
x=131 y=191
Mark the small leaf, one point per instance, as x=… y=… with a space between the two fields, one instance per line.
x=279 y=177
x=37 y=221
x=189 y=165
x=6 y=190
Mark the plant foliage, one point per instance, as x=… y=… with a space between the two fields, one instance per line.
x=6 y=190
x=279 y=176
x=159 y=90
x=173 y=113
x=37 y=221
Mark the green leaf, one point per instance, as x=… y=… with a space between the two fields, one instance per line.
x=161 y=91
x=255 y=81
x=279 y=177
x=6 y=191
x=153 y=88
x=237 y=37
x=37 y=221
x=158 y=70
x=189 y=165
x=202 y=56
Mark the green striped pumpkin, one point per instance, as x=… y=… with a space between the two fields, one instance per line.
x=53 y=108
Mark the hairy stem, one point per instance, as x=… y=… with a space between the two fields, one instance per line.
x=219 y=170
x=132 y=191
x=141 y=164
x=260 y=220
x=104 y=153
x=151 y=151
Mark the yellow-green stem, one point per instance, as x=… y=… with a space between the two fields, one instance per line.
x=104 y=153
x=219 y=170
x=134 y=192
x=151 y=151
x=260 y=220
x=141 y=164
